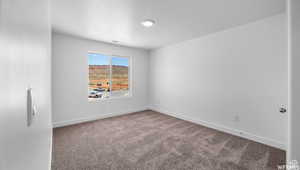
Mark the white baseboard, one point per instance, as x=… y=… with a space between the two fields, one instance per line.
x=235 y=132
x=95 y=117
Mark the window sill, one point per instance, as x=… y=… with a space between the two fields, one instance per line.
x=96 y=100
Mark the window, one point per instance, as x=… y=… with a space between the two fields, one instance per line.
x=108 y=76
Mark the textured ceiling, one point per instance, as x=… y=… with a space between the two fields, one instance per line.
x=177 y=20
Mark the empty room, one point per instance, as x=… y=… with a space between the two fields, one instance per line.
x=149 y=85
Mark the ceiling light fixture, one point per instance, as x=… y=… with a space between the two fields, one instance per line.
x=148 y=23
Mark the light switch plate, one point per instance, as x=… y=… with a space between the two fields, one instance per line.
x=31 y=109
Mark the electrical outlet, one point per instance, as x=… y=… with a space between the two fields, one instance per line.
x=236 y=118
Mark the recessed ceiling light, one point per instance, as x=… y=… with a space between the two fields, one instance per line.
x=148 y=23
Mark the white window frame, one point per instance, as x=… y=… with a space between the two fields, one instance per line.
x=110 y=74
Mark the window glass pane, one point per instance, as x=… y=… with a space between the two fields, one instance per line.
x=120 y=67
x=99 y=74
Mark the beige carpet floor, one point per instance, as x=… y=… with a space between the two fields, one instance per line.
x=152 y=141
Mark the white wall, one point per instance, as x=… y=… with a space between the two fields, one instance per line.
x=237 y=72
x=24 y=62
x=294 y=79
x=70 y=80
